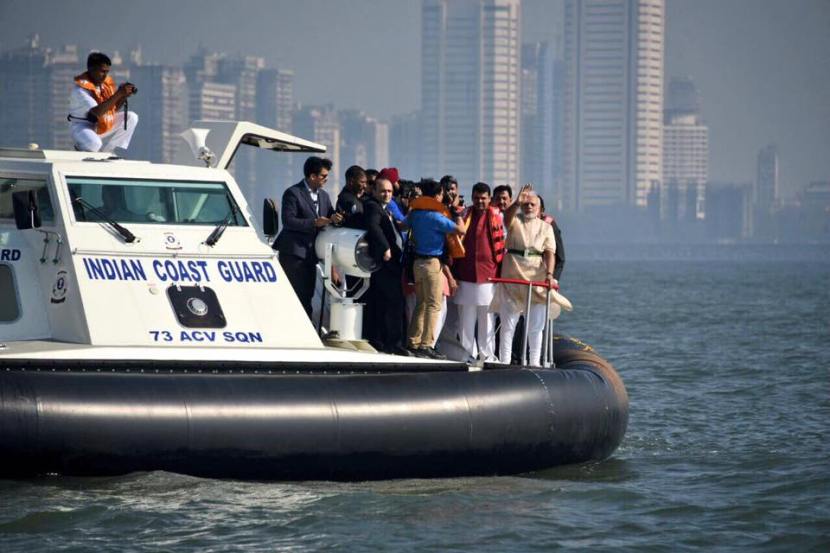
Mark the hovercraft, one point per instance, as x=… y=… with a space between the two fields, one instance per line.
x=146 y=325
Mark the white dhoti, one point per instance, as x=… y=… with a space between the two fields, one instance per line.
x=473 y=301
x=87 y=140
x=509 y=319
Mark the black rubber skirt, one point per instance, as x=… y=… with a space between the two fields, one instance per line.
x=305 y=421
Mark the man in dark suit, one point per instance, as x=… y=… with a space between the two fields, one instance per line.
x=350 y=200
x=384 y=302
x=306 y=208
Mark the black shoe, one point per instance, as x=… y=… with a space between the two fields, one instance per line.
x=417 y=352
x=400 y=350
x=432 y=353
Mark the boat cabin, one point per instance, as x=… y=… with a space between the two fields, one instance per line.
x=103 y=251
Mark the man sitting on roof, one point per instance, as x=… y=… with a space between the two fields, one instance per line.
x=95 y=121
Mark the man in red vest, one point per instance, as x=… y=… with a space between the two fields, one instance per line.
x=484 y=250
x=95 y=118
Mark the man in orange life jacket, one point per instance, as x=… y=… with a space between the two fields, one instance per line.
x=484 y=250
x=95 y=120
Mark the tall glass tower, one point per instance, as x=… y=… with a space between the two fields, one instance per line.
x=470 y=99
x=613 y=101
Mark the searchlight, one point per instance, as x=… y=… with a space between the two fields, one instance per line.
x=346 y=250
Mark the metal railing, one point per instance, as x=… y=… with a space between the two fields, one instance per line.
x=547 y=336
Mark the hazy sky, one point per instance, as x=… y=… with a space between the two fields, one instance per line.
x=762 y=66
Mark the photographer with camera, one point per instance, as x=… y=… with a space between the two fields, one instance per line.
x=452 y=199
x=96 y=122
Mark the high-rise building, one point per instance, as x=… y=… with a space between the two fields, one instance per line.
x=766 y=183
x=405 y=145
x=381 y=150
x=211 y=100
x=64 y=65
x=471 y=80
x=682 y=98
x=202 y=66
x=242 y=72
x=275 y=109
x=729 y=211
x=613 y=125
x=364 y=140
x=321 y=124
x=25 y=114
x=275 y=99
x=162 y=108
x=541 y=154
x=765 y=193
x=207 y=97
x=685 y=154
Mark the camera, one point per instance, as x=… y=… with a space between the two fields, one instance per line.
x=409 y=190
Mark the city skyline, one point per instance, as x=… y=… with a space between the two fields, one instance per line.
x=761 y=67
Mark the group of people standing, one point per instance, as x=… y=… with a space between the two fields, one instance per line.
x=427 y=244
x=429 y=248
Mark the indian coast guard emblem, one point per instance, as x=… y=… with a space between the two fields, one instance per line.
x=59 y=287
x=171 y=242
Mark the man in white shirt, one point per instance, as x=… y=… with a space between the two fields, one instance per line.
x=95 y=120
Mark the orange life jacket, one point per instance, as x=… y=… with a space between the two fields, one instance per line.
x=455 y=247
x=495 y=231
x=106 y=121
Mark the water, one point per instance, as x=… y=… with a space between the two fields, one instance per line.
x=726 y=356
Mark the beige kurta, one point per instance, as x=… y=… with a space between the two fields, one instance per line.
x=535 y=234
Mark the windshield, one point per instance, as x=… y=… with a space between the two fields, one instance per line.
x=153 y=201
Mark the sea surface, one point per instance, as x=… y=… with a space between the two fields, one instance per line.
x=725 y=352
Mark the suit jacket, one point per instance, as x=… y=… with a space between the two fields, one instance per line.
x=381 y=232
x=298 y=215
x=560 y=251
x=352 y=209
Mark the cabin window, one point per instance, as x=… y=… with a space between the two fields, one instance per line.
x=9 y=185
x=9 y=308
x=150 y=201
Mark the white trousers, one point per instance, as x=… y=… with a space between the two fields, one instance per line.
x=509 y=319
x=468 y=316
x=87 y=140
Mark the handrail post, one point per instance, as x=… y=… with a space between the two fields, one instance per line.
x=527 y=324
x=547 y=336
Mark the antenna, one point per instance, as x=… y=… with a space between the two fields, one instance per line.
x=196 y=138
